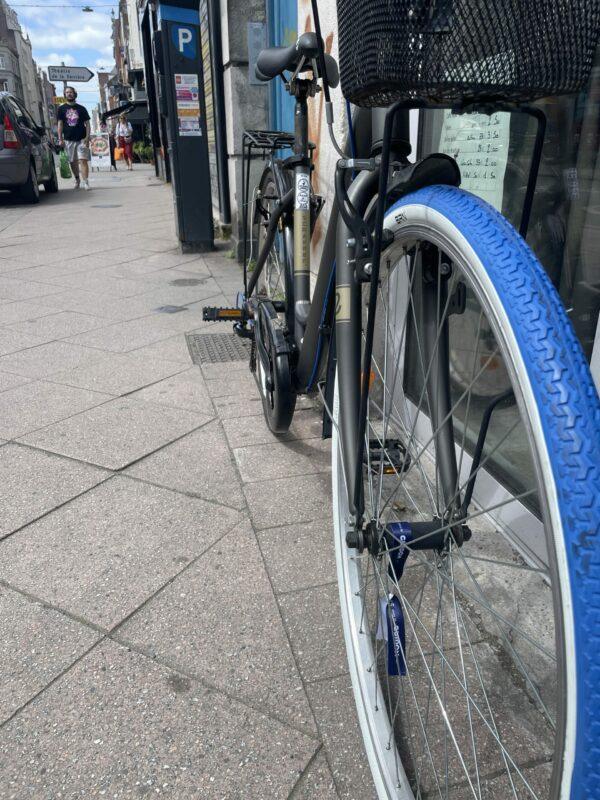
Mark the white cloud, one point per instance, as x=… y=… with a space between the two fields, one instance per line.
x=55 y=59
x=62 y=28
x=69 y=35
x=87 y=37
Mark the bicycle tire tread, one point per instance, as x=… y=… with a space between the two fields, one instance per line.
x=569 y=411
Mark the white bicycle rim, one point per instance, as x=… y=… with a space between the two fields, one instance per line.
x=390 y=778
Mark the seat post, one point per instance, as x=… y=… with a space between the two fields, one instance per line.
x=302 y=89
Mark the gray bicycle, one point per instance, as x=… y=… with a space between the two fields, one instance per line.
x=469 y=582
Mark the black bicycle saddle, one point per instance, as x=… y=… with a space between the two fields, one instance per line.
x=272 y=61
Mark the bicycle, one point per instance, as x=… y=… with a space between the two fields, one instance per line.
x=458 y=693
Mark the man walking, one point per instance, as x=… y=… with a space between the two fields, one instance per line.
x=74 y=134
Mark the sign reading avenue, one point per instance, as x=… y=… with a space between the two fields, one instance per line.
x=74 y=74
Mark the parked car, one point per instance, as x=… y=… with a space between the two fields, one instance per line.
x=26 y=152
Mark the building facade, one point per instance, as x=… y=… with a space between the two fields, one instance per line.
x=106 y=100
x=564 y=230
x=10 y=76
x=19 y=74
x=10 y=67
x=125 y=84
x=28 y=70
x=48 y=93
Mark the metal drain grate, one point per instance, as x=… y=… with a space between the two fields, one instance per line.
x=213 y=348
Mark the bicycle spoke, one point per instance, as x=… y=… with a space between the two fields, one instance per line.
x=463 y=520
x=475 y=705
x=457 y=492
x=481 y=601
x=510 y=564
x=424 y=448
x=464 y=673
x=487 y=701
x=421 y=725
x=438 y=697
x=519 y=662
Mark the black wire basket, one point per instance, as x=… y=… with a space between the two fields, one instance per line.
x=452 y=51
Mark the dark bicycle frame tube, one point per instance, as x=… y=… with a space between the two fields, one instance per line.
x=368 y=132
x=436 y=356
x=348 y=327
x=285 y=206
x=306 y=367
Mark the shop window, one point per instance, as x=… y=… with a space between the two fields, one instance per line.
x=564 y=230
x=564 y=233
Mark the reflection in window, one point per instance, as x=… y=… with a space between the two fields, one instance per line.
x=478 y=377
x=564 y=233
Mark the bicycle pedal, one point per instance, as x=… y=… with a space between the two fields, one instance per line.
x=393 y=455
x=216 y=314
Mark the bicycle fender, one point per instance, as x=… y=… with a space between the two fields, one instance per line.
x=433 y=170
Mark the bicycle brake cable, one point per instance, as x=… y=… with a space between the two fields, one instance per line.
x=322 y=69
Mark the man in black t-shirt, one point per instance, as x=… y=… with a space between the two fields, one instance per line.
x=74 y=134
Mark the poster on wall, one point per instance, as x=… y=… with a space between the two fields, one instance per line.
x=187 y=100
x=100 y=151
x=479 y=145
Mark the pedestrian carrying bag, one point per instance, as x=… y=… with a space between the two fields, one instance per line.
x=65 y=169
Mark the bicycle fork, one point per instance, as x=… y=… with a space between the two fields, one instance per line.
x=434 y=352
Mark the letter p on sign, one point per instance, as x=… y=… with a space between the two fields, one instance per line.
x=185 y=37
x=185 y=40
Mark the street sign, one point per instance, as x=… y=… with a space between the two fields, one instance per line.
x=73 y=74
x=58 y=101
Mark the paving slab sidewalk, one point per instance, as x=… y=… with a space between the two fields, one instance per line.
x=169 y=621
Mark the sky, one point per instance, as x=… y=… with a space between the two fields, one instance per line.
x=60 y=31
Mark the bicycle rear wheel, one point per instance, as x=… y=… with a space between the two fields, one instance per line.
x=272 y=322
x=275 y=281
x=470 y=617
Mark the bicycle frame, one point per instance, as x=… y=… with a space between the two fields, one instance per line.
x=312 y=322
x=309 y=317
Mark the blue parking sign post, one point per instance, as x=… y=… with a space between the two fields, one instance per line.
x=178 y=61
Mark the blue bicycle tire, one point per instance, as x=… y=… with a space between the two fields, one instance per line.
x=562 y=396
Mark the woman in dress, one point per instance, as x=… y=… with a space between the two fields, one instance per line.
x=124 y=134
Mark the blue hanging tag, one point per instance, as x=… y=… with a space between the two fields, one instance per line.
x=399 y=533
x=395 y=637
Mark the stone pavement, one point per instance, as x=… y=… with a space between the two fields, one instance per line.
x=169 y=621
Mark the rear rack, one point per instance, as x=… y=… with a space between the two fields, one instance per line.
x=267 y=140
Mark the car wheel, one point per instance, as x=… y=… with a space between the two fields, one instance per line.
x=51 y=185
x=30 y=191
